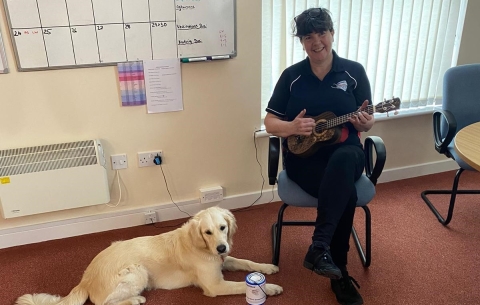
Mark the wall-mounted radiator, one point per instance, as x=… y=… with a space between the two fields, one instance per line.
x=53 y=177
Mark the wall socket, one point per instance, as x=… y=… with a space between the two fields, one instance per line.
x=150 y=217
x=146 y=158
x=119 y=161
x=211 y=194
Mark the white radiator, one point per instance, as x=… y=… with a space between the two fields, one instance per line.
x=53 y=177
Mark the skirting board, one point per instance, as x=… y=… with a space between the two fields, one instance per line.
x=117 y=220
x=124 y=219
x=418 y=170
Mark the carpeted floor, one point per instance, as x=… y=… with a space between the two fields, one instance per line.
x=415 y=259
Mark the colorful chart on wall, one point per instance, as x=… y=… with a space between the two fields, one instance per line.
x=53 y=34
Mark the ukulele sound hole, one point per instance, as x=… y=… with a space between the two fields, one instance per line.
x=318 y=131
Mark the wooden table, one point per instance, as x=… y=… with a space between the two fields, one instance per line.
x=467 y=145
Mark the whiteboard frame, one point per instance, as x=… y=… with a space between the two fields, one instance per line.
x=3 y=56
x=20 y=69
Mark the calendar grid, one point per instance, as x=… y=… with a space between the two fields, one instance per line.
x=124 y=38
x=109 y=23
x=176 y=32
x=66 y=34
x=71 y=38
x=96 y=34
x=150 y=28
x=41 y=27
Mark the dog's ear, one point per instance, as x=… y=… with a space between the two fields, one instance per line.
x=195 y=232
x=232 y=225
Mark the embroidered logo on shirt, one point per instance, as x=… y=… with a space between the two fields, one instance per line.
x=341 y=85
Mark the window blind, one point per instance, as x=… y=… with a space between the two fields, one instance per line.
x=405 y=45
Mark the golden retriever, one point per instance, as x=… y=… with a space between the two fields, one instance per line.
x=192 y=255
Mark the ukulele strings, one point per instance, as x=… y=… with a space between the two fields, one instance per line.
x=341 y=119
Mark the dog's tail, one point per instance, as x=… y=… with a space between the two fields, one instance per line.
x=78 y=296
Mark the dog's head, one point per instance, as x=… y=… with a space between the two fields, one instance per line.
x=212 y=229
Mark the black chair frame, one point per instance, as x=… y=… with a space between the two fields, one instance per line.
x=441 y=145
x=373 y=169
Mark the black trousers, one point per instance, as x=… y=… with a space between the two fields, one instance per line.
x=330 y=176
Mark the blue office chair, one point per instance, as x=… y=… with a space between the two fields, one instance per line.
x=292 y=195
x=460 y=107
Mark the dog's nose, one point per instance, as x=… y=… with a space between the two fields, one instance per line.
x=221 y=249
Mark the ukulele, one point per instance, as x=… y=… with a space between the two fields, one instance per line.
x=327 y=129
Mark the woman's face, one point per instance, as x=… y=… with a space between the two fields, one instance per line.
x=318 y=45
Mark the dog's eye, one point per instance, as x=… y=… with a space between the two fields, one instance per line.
x=208 y=232
x=222 y=228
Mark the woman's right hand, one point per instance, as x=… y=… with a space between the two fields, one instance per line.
x=301 y=125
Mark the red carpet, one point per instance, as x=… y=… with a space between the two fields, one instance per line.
x=415 y=259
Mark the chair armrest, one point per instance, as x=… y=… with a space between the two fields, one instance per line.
x=441 y=144
x=374 y=170
x=273 y=159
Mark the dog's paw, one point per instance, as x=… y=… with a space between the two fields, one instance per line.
x=38 y=298
x=138 y=300
x=268 y=269
x=272 y=289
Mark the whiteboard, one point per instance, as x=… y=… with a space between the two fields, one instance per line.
x=54 y=34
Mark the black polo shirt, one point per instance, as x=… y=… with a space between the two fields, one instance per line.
x=342 y=91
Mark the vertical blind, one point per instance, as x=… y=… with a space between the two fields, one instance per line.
x=405 y=45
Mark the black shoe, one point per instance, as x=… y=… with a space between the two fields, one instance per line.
x=320 y=261
x=346 y=293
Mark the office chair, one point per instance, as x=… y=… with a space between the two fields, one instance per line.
x=292 y=195
x=460 y=107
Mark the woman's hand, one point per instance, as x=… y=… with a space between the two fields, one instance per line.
x=301 y=125
x=362 y=121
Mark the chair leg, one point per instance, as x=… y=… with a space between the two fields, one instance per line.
x=277 y=235
x=365 y=255
x=274 y=242
x=453 y=192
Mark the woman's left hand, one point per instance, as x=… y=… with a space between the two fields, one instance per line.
x=362 y=121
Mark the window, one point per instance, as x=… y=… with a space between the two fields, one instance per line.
x=405 y=45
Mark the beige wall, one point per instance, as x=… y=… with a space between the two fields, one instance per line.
x=209 y=143
x=470 y=46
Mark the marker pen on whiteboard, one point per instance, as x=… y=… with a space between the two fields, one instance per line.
x=221 y=57
x=194 y=59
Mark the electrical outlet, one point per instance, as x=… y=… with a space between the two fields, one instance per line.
x=146 y=158
x=150 y=217
x=119 y=161
x=212 y=194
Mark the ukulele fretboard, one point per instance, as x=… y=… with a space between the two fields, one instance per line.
x=341 y=119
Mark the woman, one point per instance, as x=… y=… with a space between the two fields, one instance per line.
x=324 y=82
